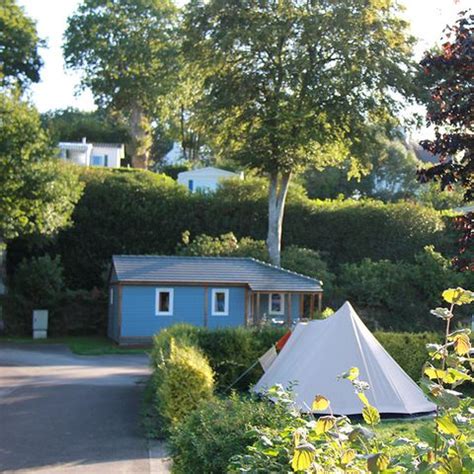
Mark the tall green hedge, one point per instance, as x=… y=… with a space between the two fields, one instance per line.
x=139 y=212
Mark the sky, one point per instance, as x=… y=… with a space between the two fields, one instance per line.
x=59 y=89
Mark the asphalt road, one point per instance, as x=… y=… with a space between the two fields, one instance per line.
x=65 y=413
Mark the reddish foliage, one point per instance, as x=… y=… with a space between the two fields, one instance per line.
x=449 y=76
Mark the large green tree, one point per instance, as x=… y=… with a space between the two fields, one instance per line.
x=126 y=50
x=37 y=192
x=20 y=61
x=291 y=82
x=72 y=125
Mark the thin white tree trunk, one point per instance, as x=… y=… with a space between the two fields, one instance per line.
x=278 y=191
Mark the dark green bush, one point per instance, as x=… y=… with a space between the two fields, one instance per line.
x=219 y=429
x=37 y=284
x=409 y=349
x=398 y=296
x=138 y=212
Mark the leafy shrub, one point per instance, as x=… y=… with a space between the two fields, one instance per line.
x=183 y=379
x=398 y=295
x=37 y=284
x=230 y=351
x=81 y=312
x=138 y=212
x=219 y=429
x=408 y=349
x=308 y=262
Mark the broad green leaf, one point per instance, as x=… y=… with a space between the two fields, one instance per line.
x=363 y=399
x=320 y=403
x=348 y=456
x=426 y=434
x=458 y=296
x=378 y=462
x=371 y=415
x=324 y=424
x=303 y=457
x=446 y=425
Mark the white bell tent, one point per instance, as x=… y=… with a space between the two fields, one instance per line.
x=318 y=351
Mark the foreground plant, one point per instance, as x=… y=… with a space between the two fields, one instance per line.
x=333 y=444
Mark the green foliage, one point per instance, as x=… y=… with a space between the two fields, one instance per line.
x=37 y=194
x=333 y=444
x=20 y=61
x=408 y=349
x=71 y=125
x=391 y=175
x=219 y=429
x=126 y=51
x=308 y=262
x=183 y=380
x=135 y=212
x=376 y=285
x=277 y=107
x=230 y=351
x=38 y=284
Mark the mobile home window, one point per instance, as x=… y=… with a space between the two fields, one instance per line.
x=164 y=301
x=111 y=295
x=276 y=303
x=220 y=302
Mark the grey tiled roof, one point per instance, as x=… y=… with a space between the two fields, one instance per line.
x=257 y=275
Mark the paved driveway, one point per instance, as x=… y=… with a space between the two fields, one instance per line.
x=65 y=413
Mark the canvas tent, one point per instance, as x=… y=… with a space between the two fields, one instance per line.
x=318 y=351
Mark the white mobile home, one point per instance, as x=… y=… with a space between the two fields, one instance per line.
x=205 y=179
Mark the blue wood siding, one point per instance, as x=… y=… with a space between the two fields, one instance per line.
x=138 y=309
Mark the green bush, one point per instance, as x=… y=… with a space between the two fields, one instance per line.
x=230 y=351
x=183 y=379
x=217 y=430
x=138 y=212
x=37 y=284
x=397 y=296
x=408 y=349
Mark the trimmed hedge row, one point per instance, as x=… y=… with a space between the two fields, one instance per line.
x=139 y=212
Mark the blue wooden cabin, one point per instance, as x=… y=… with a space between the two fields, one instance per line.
x=149 y=293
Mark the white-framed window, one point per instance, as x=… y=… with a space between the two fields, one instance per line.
x=111 y=295
x=164 y=301
x=220 y=302
x=276 y=303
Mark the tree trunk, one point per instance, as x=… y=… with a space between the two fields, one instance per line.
x=140 y=133
x=276 y=209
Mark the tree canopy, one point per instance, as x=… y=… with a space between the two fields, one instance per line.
x=20 y=61
x=282 y=89
x=448 y=75
x=126 y=51
x=37 y=193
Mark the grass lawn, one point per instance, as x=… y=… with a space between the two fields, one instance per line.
x=81 y=345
